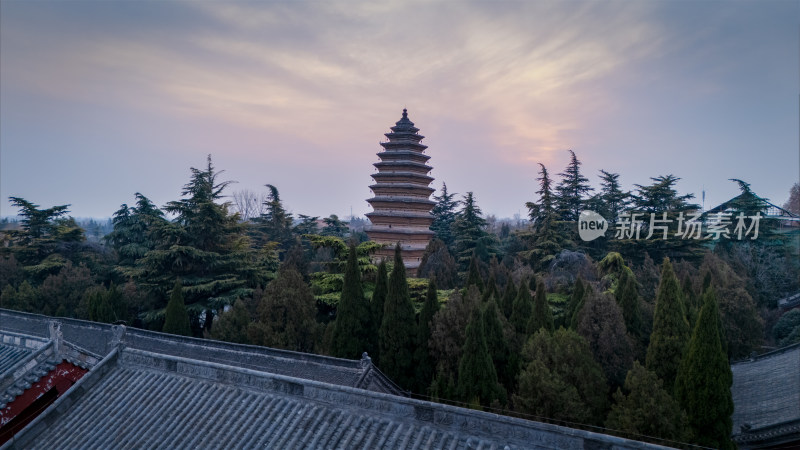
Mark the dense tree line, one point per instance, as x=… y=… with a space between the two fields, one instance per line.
x=635 y=335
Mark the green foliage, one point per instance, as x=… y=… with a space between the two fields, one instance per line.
x=670 y=329
x=448 y=332
x=437 y=262
x=477 y=378
x=131 y=236
x=425 y=366
x=509 y=296
x=602 y=325
x=351 y=334
x=644 y=408
x=703 y=384
x=444 y=214
x=627 y=296
x=575 y=300
x=285 y=314
x=522 y=309
x=497 y=344
x=561 y=380
x=231 y=325
x=275 y=224
x=571 y=191
x=473 y=275
x=398 y=328
x=611 y=200
x=377 y=305
x=541 y=316
x=340 y=252
x=786 y=328
x=470 y=235
x=176 y=320
x=335 y=227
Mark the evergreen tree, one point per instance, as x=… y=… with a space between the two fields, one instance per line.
x=99 y=307
x=351 y=335
x=602 y=325
x=444 y=214
x=491 y=289
x=576 y=299
x=469 y=233
x=543 y=241
x=437 y=262
x=497 y=345
x=522 y=309
x=133 y=228
x=703 y=384
x=448 y=330
x=644 y=408
x=627 y=296
x=377 y=305
x=473 y=275
x=670 y=329
x=542 y=316
x=275 y=224
x=576 y=314
x=509 y=296
x=477 y=378
x=307 y=225
x=334 y=227
x=176 y=319
x=231 y=325
x=286 y=312
x=398 y=329
x=561 y=380
x=611 y=200
x=571 y=191
x=425 y=366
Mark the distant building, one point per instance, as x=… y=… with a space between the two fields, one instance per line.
x=153 y=390
x=402 y=205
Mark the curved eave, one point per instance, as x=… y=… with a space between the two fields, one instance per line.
x=396 y=154
x=403 y=164
x=404 y=133
x=404 y=143
x=401 y=214
x=379 y=175
x=413 y=187
x=402 y=200
x=409 y=232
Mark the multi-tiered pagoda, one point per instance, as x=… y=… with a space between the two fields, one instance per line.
x=402 y=205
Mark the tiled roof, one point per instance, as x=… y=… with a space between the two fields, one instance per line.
x=139 y=399
x=10 y=356
x=766 y=396
x=101 y=338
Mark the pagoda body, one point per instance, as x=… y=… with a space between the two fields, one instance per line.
x=402 y=205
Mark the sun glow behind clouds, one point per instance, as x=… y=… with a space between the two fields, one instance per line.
x=519 y=81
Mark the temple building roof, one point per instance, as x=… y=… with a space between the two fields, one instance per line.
x=136 y=398
x=766 y=398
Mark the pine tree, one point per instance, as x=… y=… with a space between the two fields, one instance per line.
x=286 y=312
x=469 y=232
x=611 y=201
x=176 y=319
x=444 y=214
x=231 y=325
x=522 y=309
x=670 y=329
x=351 y=333
x=398 y=329
x=477 y=378
x=602 y=325
x=542 y=316
x=543 y=242
x=491 y=289
x=437 y=262
x=275 y=223
x=576 y=315
x=425 y=367
x=509 y=296
x=376 y=306
x=703 y=384
x=99 y=307
x=571 y=191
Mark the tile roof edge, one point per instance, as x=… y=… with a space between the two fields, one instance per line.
x=777 y=351
x=10 y=376
x=61 y=404
x=414 y=409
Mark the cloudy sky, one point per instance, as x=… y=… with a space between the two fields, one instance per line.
x=99 y=100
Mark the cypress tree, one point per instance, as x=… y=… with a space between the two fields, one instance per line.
x=491 y=289
x=576 y=315
x=497 y=345
x=176 y=319
x=521 y=309
x=703 y=384
x=670 y=329
x=627 y=296
x=578 y=291
x=376 y=306
x=508 y=298
x=474 y=275
x=399 y=328
x=477 y=378
x=542 y=317
x=351 y=333
x=425 y=367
